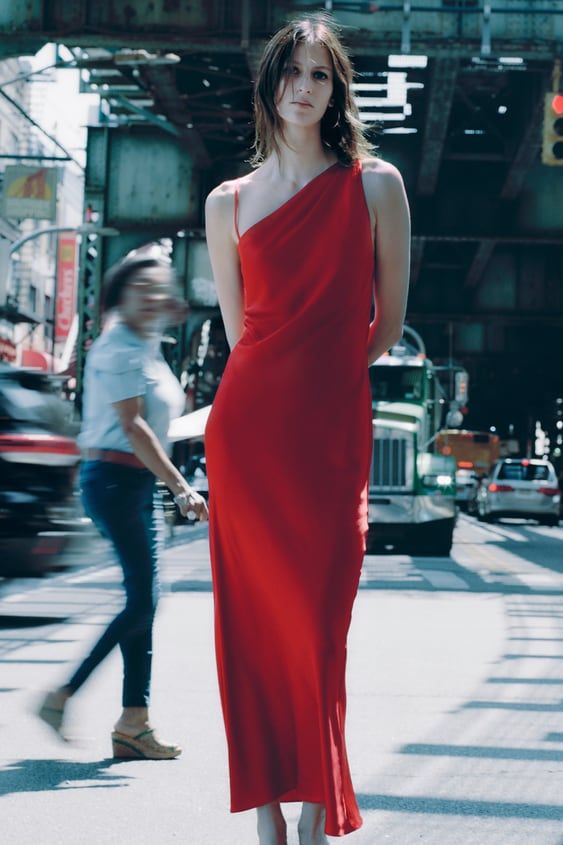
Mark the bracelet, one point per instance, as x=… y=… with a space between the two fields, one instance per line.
x=185 y=500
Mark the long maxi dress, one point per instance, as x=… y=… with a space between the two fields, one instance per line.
x=288 y=448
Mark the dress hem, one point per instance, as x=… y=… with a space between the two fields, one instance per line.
x=343 y=830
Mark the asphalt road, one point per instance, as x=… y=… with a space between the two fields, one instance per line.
x=455 y=719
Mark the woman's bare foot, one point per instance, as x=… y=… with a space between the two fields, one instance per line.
x=272 y=829
x=311 y=826
x=133 y=721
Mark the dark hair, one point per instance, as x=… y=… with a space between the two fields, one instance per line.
x=341 y=127
x=118 y=277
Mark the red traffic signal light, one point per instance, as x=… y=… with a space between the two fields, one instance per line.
x=552 y=141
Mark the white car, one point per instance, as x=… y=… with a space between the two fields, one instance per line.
x=520 y=487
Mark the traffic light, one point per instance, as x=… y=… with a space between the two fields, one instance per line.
x=552 y=148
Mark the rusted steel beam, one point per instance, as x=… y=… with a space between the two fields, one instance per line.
x=481 y=258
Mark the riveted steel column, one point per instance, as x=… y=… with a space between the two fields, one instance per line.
x=91 y=250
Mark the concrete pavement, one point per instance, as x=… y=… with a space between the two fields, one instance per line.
x=455 y=721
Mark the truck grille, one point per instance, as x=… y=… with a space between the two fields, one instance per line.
x=389 y=470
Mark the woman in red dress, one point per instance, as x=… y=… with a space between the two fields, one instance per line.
x=298 y=248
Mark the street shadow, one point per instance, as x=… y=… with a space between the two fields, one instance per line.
x=191 y=586
x=445 y=574
x=20 y=660
x=412 y=575
x=481 y=752
x=460 y=807
x=536 y=639
x=519 y=706
x=494 y=754
x=521 y=681
x=46 y=775
x=544 y=552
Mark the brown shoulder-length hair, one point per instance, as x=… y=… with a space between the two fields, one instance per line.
x=341 y=128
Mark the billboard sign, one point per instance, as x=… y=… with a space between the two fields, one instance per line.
x=30 y=192
x=65 y=303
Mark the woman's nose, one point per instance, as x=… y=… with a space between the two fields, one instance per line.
x=304 y=84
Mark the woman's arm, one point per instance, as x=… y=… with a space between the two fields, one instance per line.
x=386 y=197
x=223 y=252
x=148 y=449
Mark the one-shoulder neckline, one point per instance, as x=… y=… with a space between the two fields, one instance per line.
x=288 y=201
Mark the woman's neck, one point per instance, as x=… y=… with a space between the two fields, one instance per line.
x=139 y=331
x=301 y=156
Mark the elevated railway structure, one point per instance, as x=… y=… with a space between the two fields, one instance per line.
x=455 y=92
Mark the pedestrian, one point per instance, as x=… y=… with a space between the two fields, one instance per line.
x=130 y=396
x=298 y=247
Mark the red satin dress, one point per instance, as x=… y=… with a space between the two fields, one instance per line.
x=288 y=448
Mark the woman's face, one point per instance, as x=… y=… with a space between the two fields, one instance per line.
x=148 y=299
x=306 y=87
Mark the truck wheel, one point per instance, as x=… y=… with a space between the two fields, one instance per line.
x=551 y=521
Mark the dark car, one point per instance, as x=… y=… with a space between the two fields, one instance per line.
x=38 y=460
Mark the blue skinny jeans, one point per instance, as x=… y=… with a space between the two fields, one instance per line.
x=125 y=507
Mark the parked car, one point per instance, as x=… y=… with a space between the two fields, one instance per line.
x=38 y=459
x=520 y=487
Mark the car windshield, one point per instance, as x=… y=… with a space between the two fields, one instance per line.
x=394 y=384
x=523 y=472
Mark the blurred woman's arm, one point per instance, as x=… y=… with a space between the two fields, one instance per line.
x=148 y=449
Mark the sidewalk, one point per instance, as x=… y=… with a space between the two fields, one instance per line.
x=451 y=740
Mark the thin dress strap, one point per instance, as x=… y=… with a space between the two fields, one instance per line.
x=236 y=211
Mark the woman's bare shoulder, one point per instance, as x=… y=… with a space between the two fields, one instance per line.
x=377 y=171
x=221 y=199
x=383 y=184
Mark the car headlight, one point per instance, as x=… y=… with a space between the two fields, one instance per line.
x=437 y=480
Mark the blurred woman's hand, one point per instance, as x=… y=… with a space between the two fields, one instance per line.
x=193 y=504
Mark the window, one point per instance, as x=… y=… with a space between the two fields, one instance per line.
x=33 y=298
x=481 y=438
x=48 y=323
x=395 y=384
x=523 y=472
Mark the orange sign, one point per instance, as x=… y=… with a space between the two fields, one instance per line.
x=7 y=350
x=30 y=192
x=65 y=304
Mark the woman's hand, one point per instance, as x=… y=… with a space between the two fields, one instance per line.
x=193 y=504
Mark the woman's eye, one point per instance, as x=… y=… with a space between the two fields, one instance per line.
x=319 y=74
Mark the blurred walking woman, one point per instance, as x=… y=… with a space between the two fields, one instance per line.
x=130 y=396
x=298 y=247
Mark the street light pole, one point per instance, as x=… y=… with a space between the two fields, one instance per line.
x=82 y=229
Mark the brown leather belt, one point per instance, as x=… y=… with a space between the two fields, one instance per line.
x=112 y=456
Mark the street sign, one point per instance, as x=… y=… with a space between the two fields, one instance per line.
x=30 y=192
x=65 y=301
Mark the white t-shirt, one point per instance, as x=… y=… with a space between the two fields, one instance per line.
x=121 y=365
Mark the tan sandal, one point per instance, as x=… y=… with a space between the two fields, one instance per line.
x=144 y=746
